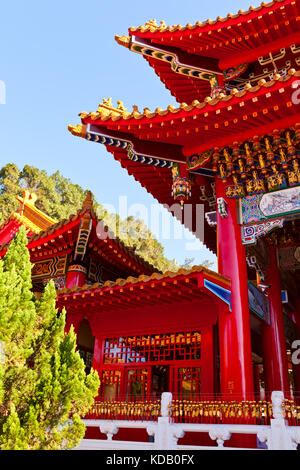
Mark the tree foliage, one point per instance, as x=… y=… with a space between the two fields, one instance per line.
x=58 y=197
x=43 y=385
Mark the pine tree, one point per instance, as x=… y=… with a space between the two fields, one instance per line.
x=43 y=385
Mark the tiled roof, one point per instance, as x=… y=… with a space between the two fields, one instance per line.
x=29 y=215
x=120 y=113
x=147 y=279
x=152 y=26
x=40 y=234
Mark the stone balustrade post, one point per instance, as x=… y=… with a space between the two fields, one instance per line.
x=279 y=437
x=166 y=434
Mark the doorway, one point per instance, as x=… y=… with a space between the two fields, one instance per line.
x=160 y=380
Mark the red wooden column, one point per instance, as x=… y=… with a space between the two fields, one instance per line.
x=76 y=276
x=273 y=335
x=236 y=367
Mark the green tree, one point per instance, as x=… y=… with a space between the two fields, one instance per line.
x=43 y=385
x=58 y=197
x=9 y=189
x=189 y=263
x=135 y=234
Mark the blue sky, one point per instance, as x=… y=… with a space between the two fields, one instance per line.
x=59 y=58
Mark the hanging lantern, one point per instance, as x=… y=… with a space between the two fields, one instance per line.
x=181 y=187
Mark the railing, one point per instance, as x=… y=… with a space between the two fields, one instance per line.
x=134 y=410
x=195 y=411
x=165 y=431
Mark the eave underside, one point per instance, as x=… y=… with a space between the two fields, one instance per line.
x=158 y=182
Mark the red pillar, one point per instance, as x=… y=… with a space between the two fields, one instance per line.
x=76 y=276
x=236 y=368
x=273 y=335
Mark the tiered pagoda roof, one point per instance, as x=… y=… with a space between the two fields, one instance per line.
x=213 y=122
x=235 y=85
x=179 y=54
x=60 y=238
x=148 y=143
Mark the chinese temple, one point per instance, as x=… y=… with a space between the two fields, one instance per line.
x=127 y=315
x=232 y=146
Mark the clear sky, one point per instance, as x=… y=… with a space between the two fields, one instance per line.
x=59 y=58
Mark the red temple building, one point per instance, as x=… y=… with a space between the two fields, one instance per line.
x=232 y=145
x=142 y=330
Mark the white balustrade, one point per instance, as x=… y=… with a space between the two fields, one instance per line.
x=277 y=436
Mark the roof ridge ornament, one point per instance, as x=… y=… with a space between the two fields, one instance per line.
x=152 y=24
x=123 y=40
x=78 y=131
x=107 y=109
x=29 y=197
x=153 y=27
x=88 y=202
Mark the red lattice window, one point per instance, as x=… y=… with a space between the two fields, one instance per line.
x=153 y=348
x=188 y=383
x=110 y=384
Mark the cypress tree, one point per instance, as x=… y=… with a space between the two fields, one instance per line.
x=43 y=385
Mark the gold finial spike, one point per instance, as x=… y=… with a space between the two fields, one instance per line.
x=121 y=106
x=152 y=24
x=107 y=109
x=107 y=102
x=135 y=110
x=88 y=202
x=28 y=197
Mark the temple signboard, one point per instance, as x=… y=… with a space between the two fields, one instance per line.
x=258 y=302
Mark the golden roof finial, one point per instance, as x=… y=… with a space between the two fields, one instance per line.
x=135 y=110
x=28 y=198
x=121 y=106
x=78 y=131
x=88 y=202
x=27 y=214
x=152 y=23
x=106 y=109
x=123 y=40
x=107 y=102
